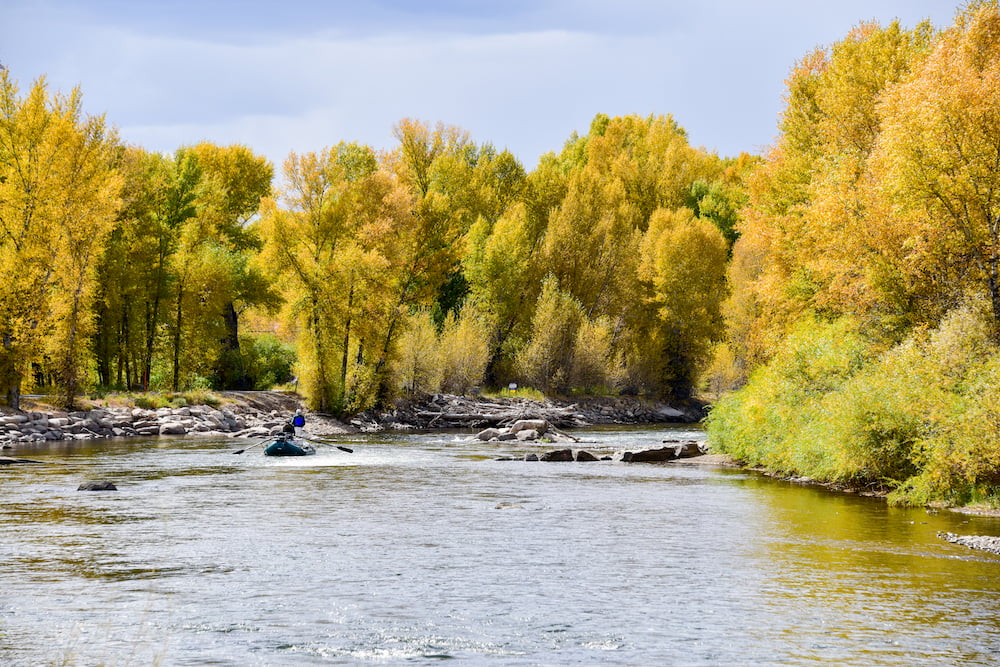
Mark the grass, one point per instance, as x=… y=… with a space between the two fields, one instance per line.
x=520 y=392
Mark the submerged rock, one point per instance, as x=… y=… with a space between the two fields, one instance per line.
x=559 y=455
x=505 y=505
x=97 y=486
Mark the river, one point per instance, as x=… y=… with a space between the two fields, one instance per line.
x=398 y=553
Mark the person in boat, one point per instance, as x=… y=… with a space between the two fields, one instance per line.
x=298 y=422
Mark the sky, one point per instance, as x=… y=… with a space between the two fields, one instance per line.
x=301 y=75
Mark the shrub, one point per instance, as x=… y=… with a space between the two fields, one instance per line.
x=417 y=365
x=922 y=418
x=465 y=351
x=267 y=360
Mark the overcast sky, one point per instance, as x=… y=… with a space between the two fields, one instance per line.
x=281 y=75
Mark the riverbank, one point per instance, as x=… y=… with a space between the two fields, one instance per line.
x=450 y=411
x=257 y=414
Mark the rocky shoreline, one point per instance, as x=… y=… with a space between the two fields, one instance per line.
x=241 y=414
x=260 y=414
x=449 y=411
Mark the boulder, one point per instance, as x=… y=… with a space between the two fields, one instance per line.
x=97 y=486
x=507 y=437
x=527 y=434
x=531 y=457
x=537 y=425
x=686 y=449
x=172 y=428
x=488 y=434
x=667 y=413
x=650 y=455
x=559 y=455
x=584 y=456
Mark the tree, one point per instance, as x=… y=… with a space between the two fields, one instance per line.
x=57 y=193
x=682 y=269
x=940 y=148
x=547 y=361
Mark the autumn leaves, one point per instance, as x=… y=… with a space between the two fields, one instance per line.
x=865 y=293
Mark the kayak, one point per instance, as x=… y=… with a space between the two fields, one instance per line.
x=289 y=447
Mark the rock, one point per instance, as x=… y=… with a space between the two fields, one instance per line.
x=527 y=434
x=531 y=457
x=488 y=434
x=686 y=449
x=667 y=413
x=559 y=455
x=584 y=456
x=505 y=505
x=97 y=486
x=507 y=437
x=982 y=542
x=172 y=428
x=537 y=425
x=650 y=455
x=7 y=460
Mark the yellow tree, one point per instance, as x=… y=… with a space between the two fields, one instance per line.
x=86 y=210
x=939 y=151
x=682 y=268
x=302 y=244
x=343 y=241
x=58 y=197
x=808 y=239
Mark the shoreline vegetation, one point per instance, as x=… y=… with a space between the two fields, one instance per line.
x=838 y=294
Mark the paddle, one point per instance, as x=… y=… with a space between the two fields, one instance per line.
x=256 y=444
x=343 y=449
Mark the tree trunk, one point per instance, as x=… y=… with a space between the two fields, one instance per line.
x=994 y=284
x=152 y=315
x=178 y=322
x=13 y=375
x=231 y=370
x=347 y=338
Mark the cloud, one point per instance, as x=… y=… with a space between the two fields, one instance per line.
x=301 y=76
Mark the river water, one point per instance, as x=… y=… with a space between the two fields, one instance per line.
x=404 y=553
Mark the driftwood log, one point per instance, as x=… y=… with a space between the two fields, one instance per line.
x=477 y=413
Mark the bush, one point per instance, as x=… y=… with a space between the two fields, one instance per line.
x=417 y=366
x=465 y=351
x=267 y=360
x=922 y=418
x=780 y=420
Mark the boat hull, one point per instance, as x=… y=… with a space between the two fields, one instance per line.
x=288 y=448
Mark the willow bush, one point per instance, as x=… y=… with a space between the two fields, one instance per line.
x=921 y=419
